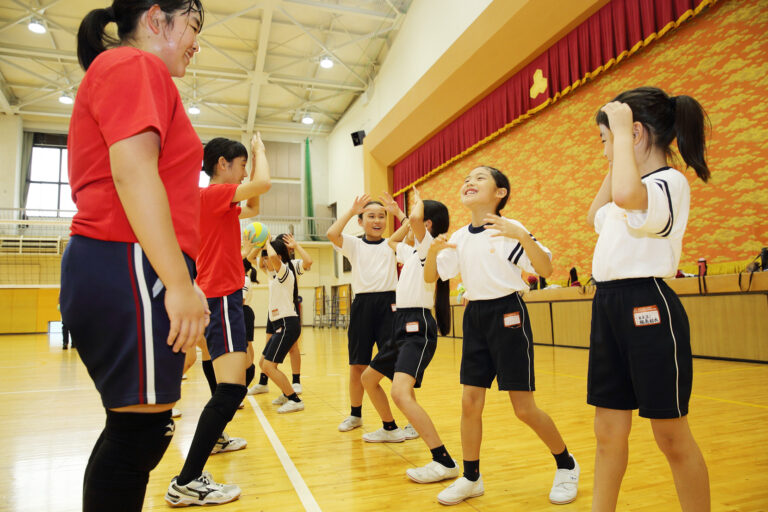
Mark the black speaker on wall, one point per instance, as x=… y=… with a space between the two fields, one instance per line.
x=357 y=137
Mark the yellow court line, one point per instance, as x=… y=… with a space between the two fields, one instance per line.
x=736 y=402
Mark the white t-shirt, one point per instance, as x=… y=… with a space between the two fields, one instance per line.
x=490 y=266
x=644 y=243
x=281 y=293
x=412 y=290
x=373 y=264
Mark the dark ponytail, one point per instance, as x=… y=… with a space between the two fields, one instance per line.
x=228 y=148
x=666 y=118
x=437 y=212
x=691 y=123
x=92 y=40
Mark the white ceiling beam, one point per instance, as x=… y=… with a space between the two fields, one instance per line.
x=322 y=84
x=324 y=47
x=257 y=78
x=6 y=96
x=223 y=18
x=343 y=9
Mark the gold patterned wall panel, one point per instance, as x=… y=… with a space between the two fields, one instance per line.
x=555 y=164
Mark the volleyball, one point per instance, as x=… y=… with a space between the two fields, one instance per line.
x=257 y=233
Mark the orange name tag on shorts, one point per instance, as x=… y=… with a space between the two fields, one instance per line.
x=646 y=315
x=394 y=307
x=512 y=319
x=412 y=327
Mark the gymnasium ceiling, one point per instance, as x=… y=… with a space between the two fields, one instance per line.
x=258 y=69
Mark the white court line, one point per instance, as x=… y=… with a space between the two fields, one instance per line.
x=290 y=469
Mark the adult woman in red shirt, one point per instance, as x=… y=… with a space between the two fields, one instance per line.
x=127 y=289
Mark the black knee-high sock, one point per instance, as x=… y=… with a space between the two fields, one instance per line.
x=249 y=373
x=296 y=378
x=129 y=448
x=217 y=413
x=263 y=379
x=210 y=375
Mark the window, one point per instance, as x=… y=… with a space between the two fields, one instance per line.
x=49 y=194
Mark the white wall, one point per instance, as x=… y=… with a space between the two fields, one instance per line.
x=10 y=160
x=429 y=29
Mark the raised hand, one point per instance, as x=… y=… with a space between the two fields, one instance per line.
x=390 y=205
x=503 y=227
x=256 y=143
x=440 y=243
x=358 y=205
x=619 y=117
x=289 y=241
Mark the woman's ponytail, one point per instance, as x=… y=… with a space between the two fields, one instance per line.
x=91 y=38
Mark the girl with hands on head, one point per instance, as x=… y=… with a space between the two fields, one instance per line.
x=640 y=352
x=374 y=279
x=406 y=356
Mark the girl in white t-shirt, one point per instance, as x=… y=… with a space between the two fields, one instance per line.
x=640 y=351
x=414 y=340
x=490 y=253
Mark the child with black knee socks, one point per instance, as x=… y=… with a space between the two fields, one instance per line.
x=127 y=289
x=220 y=271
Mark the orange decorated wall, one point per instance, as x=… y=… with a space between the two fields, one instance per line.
x=555 y=164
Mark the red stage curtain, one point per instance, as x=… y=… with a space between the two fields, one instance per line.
x=615 y=31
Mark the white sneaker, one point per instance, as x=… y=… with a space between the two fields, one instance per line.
x=460 y=490
x=296 y=388
x=280 y=400
x=352 y=422
x=291 y=406
x=410 y=432
x=200 y=491
x=566 y=485
x=175 y=413
x=432 y=472
x=228 y=444
x=258 y=389
x=385 y=436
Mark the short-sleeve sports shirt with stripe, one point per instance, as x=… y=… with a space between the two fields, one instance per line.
x=127 y=91
x=644 y=243
x=490 y=266
x=220 y=264
x=281 y=293
x=373 y=264
x=412 y=291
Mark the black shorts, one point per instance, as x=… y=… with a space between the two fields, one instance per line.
x=270 y=326
x=226 y=331
x=639 y=349
x=287 y=331
x=112 y=301
x=249 y=318
x=370 y=321
x=413 y=344
x=498 y=343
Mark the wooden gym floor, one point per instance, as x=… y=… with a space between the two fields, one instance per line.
x=51 y=416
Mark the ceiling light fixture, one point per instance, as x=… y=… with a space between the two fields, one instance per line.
x=307 y=119
x=66 y=98
x=36 y=26
x=193 y=109
x=326 y=62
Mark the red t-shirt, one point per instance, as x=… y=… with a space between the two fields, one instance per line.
x=124 y=92
x=219 y=264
